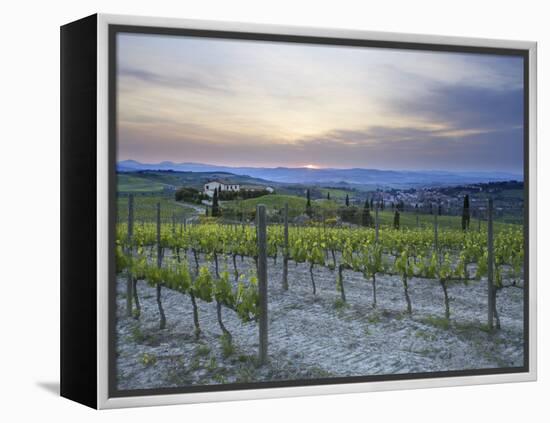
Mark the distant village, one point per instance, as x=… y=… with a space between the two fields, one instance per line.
x=449 y=200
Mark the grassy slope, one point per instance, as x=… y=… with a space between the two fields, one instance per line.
x=408 y=220
x=151 y=182
x=145 y=208
x=134 y=183
x=297 y=206
x=335 y=194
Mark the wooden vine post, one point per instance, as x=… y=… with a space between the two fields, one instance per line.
x=159 y=265
x=490 y=260
x=285 y=251
x=129 y=281
x=376 y=223
x=262 y=280
x=479 y=221
x=436 y=240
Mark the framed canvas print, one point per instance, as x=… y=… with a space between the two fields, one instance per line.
x=254 y=211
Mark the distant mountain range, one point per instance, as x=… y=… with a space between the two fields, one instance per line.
x=328 y=176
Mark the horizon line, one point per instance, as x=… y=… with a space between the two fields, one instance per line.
x=317 y=167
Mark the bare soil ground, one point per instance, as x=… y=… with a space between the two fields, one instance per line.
x=317 y=336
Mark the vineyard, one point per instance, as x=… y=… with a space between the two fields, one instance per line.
x=241 y=280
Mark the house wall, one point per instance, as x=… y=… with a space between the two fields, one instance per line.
x=211 y=186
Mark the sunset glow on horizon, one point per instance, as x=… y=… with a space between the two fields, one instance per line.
x=268 y=104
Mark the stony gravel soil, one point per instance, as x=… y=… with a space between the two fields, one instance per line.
x=317 y=336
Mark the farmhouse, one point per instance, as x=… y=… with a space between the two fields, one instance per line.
x=209 y=187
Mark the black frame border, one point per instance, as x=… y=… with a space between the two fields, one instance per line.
x=78 y=211
x=114 y=29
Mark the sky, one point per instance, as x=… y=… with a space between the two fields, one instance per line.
x=268 y=104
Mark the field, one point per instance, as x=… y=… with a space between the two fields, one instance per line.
x=145 y=208
x=276 y=202
x=316 y=336
x=335 y=193
x=133 y=183
x=409 y=220
x=340 y=301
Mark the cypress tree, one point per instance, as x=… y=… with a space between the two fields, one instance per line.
x=328 y=195
x=466 y=213
x=308 y=204
x=347 y=200
x=215 y=204
x=396 y=220
x=366 y=218
x=439 y=209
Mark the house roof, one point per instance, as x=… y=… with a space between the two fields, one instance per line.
x=221 y=182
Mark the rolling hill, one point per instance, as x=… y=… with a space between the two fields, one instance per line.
x=327 y=176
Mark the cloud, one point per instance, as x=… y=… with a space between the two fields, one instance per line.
x=421 y=148
x=264 y=104
x=464 y=107
x=380 y=147
x=176 y=82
